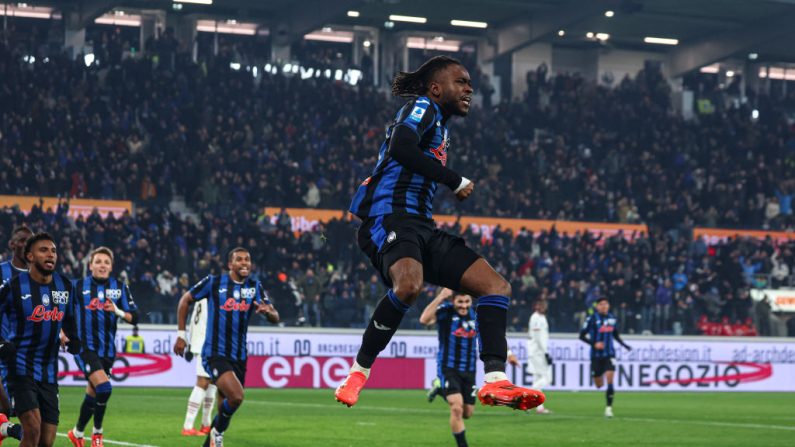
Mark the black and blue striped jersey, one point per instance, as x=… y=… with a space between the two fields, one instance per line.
x=230 y=306
x=37 y=313
x=7 y=271
x=457 y=339
x=394 y=189
x=601 y=328
x=98 y=327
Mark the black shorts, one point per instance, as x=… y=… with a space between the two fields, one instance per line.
x=444 y=257
x=89 y=362
x=217 y=366
x=29 y=394
x=457 y=382
x=601 y=365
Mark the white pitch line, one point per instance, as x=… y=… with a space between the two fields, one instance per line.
x=716 y=423
x=556 y=416
x=108 y=441
x=507 y=414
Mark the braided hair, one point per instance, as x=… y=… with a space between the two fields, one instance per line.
x=415 y=83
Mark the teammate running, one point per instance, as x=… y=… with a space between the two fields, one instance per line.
x=203 y=394
x=232 y=298
x=399 y=235
x=539 y=361
x=599 y=330
x=38 y=304
x=457 y=355
x=101 y=301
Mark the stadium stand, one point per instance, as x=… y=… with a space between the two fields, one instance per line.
x=229 y=144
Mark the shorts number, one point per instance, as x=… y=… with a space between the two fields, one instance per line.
x=474 y=390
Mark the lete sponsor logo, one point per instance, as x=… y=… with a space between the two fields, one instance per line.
x=232 y=305
x=95 y=304
x=40 y=313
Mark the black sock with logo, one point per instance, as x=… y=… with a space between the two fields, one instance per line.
x=383 y=325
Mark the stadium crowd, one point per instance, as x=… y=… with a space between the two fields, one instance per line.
x=144 y=130
x=657 y=283
x=231 y=144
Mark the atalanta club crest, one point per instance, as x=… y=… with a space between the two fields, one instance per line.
x=45 y=299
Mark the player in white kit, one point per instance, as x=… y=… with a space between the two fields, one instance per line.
x=203 y=394
x=539 y=361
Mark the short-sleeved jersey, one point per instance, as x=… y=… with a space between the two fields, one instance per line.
x=197 y=328
x=7 y=271
x=457 y=339
x=230 y=306
x=600 y=328
x=37 y=313
x=392 y=188
x=97 y=326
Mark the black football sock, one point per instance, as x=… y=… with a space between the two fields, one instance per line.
x=14 y=431
x=103 y=395
x=224 y=416
x=461 y=438
x=86 y=411
x=492 y=314
x=609 y=394
x=383 y=325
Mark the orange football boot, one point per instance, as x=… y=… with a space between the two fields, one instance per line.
x=504 y=393
x=348 y=392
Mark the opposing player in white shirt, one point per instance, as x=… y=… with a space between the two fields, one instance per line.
x=204 y=391
x=540 y=362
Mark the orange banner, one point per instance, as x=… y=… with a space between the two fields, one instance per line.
x=77 y=207
x=716 y=235
x=306 y=219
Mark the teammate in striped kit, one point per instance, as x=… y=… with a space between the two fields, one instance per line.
x=457 y=356
x=539 y=361
x=9 y=269
x=599 y=330
x=203 y=394
x=232 y=299
x=39 y=304
x=401 y=239
x=101 y=302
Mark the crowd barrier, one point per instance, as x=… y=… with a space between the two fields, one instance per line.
x=77 y=207
x=320 y=358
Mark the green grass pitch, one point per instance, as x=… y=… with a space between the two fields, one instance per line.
x=153 y=417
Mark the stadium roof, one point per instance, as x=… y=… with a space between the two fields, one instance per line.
x=742 y=26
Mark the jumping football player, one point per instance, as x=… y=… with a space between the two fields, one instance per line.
x=399 y=235
x=101 y=301
x=599 y=330
x=232 y=298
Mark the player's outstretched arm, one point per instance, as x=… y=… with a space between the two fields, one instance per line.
x=512 y=359
x=130 y=317
x=584 y=332
x=428 y=316
x=182 y=314
x=404 y=148
x=71 y=333
x=620 y=341
x=270 y=312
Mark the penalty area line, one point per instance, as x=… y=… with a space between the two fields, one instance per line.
x=108 y=441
